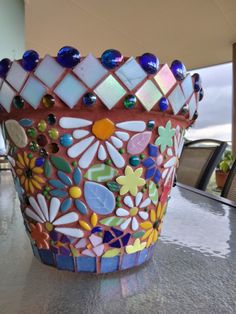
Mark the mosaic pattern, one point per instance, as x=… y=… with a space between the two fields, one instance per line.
x=94 y=187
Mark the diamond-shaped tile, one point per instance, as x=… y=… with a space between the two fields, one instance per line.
x=131 y=73
x=49 y=71
x=110 y=91
x=187 y=86
x=192 y=106
x=70 y=90
x=176 y=99
x=90 y=71
x=165 y=79
x=6 y=96
x=149 y=95
x=16 y=76
x=33 y=92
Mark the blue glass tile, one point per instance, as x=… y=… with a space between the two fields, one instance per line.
x=116 y=244
x=66 y=204
x=148 y=162
x=117 y=232
x=33 y=92
x=150 y=172
x=86 y=263
x=109 y=264
x=46 y=257
x=143 y=255
x=129 y=260
x=157 y=176
x=152 y=150
x=107 y=237
x=96 y=229
x=125 y=239
x=57 y=184
x=81 y=207
x=65 y=262
x=64 y=178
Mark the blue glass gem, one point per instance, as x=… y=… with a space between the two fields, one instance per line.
x=163 y=104
x=51 y=119
x=89 y=99
x=150 y=124
x=201 y=94
x=149 y=63
x=66 y=140
x=178 y=69
x=4 y=67
x=39 y=162
x=30 y=60
x=111 y=58
x=68 y=57
x=197 y=82
x=130 y=101
x=134 y=161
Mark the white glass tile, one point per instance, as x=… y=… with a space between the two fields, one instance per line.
x=187 y=86
x=176 y=99
x=192 y=106
x=131 y=73
x=6 y=96
x=49 y=71
x=70 y=90
x=165 y=79
x=16 y=76
x=110 y=91
x=90 y=71
x=149 y=95
x=33 y=92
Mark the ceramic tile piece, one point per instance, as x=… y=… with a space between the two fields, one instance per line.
x=78 y=134
x=90 y=71
x=70 y=123
x=109 y=264
x=176 y=99
x=135 y=126
x=16 y=76
x=116 y=142
x=128 y=201
x=65 y=262
x=122 y=212
x=33 y=91
x=47 y=257
x=192 y=106
x=102 y=155
x=86 y=264
x=165 y=79
x=187 y=86
x=149 y=95
x=17 y=133
x=122 y=135
x=116 y=157
x=88 y=156
x=138 y=142
x=70 y=90
x=80 y=147
x=71 y=232
x=6 y=96
x=110 y=91
x=49 y=71
x=129 y=260
x=131 y=73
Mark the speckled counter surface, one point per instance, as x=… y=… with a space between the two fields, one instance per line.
x=193 y=269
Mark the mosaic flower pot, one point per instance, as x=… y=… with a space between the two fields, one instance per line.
x=94 y=145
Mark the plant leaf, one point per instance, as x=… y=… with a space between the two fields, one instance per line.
x=112 y=221
x=47 y=169
x=60 y=164
x=112 y=253
x=153 y=192
x=100 y=173
x=113 y=186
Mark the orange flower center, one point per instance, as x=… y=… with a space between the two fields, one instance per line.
x=103 y=129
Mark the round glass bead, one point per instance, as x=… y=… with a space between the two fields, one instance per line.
x=42 y=125
x=51 y=119
x=53 y=134
x=53 y=148
x=150 y=124
x=197 y=83
x=66 y=140
x=134 y=161
x=68 y=57
x=43 y=152
x=42 y=140
x=178 y=69
x=130 y=101
x=111 y=58
x=149 y=62
x=30 y=60
x=33 y=146
x=163 y=104
x=48 y=101
x=32 y=132
x=39 y=162
x=4 y=67
x=195 y=116
x=89 y=99
x=18 y=102
x=201 y=94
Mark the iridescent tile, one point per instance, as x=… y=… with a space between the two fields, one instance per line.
x=187 y=86
x=16 y=76
x=110 y=91
x=192 y=106
x=176 y=99
x=148 y=94
x=70 y=90
x=131 y=73
x=90 y=71
x=33 y=92
x=49 y=71
x=165 y=79
x=6 y=96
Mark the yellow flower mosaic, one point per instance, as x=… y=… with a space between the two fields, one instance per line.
x=131 y=181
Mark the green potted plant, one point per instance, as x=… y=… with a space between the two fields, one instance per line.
x=223 y=168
